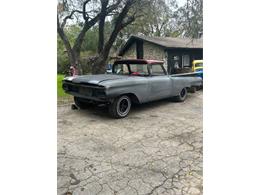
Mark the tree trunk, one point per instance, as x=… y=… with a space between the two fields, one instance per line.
x=101 y=25
x=77 y=61
x=99 y=66
x=71 y=54
x=74 y=52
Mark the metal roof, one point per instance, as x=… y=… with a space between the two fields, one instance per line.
x=166 y=42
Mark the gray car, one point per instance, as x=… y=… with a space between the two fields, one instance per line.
x=132 y=81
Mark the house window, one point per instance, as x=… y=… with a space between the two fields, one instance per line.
x=185 y=61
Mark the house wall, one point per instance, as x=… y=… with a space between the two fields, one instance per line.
x=152 y=51
x=155 y=52
x=131 y=52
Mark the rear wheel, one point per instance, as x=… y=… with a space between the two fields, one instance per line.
x=80 y=104
x=182 y=95
x=192 y=89
x=120 y=107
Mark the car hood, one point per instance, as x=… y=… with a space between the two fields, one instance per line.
x=95 y=79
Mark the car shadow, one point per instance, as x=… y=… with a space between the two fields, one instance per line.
x=136 y=109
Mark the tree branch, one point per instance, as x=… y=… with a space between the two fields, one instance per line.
x=118 y=26
x=86 y=27
x=85 y=15
x=128 y=21
x=111 y=8
x=69 y=17
x=66 y=42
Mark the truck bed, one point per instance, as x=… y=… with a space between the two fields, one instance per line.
x=189 y=74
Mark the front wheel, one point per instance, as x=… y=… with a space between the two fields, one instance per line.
x=120 y=107
x=182 y=96
x=79 y=103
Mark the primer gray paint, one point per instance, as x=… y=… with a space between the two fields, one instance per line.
x=146 y=89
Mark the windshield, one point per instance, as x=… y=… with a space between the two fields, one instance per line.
x=131 y=69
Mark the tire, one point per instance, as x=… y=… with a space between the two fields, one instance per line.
x=74 y=107
x=199 y=88
x=182 y=96
x=120 y=107
x=80 y=104
x=192 y=89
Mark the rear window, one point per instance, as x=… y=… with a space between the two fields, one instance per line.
x=157 y=69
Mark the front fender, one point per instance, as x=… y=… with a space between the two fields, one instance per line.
x=140 y=90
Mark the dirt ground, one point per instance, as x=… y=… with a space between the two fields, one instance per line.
x=157 y=149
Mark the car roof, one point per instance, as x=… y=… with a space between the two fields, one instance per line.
x=197 y=61
x=138 y=61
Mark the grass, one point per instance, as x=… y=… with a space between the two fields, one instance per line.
x=61 y=92
x=63 y=98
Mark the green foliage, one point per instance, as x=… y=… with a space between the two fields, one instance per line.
x=61 y=92
x=91 y=41
x=62 y=57
x=89 y=46
x=153 y=18
x=166 y=18
x=190 y=19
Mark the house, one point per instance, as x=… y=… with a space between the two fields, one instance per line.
x=178 y=53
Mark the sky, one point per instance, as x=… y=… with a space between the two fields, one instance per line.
x=181 y=2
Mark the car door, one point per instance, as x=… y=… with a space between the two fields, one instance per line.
x=159 y=83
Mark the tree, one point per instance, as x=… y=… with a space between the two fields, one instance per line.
x=85 y=17
x=190 y=19
x=100 y=25
x=87 y=14
x=157 y=20
x=122 y=17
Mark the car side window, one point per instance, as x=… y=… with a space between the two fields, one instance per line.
x=157 y=70
x=121 y=69
x=141 y=69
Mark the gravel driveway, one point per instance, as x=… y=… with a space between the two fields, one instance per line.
x=157 y=149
